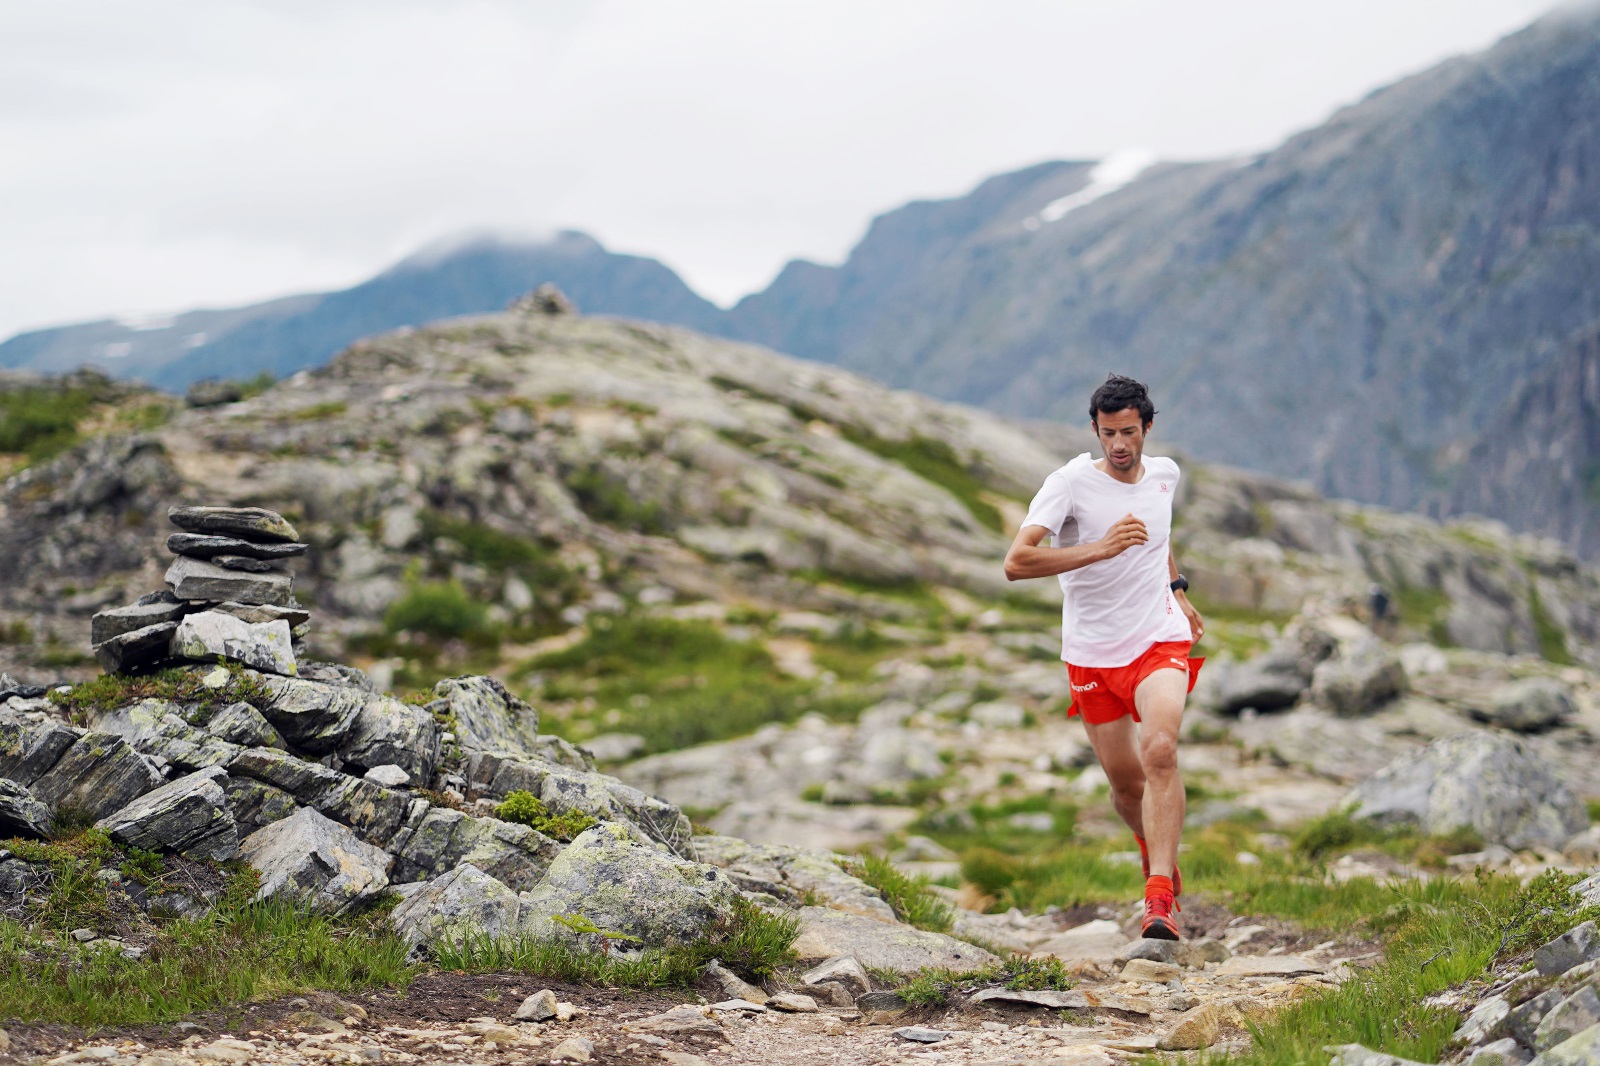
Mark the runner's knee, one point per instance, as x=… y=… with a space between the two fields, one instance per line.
x=1160 y=753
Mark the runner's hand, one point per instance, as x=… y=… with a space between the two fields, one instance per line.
x=1124 y=533
x=1197 y=625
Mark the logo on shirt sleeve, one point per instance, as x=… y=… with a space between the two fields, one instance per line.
x=1163 y=486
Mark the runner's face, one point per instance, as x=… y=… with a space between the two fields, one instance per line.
x=1121 y=436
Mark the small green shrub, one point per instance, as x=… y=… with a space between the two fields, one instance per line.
x=934 y=987
x=1540 y=912
x=527 y=809
x=179 y=685
x=911 y=898
x=440 y=609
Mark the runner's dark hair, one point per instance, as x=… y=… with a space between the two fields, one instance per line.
x=1118 y=394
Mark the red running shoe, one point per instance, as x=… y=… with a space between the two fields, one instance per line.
x=1144 y=857
x=1159 y=923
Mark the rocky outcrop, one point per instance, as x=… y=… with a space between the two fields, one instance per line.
x=1487 y=782
x=461 y=904
x=189 y=816
x=20 y=813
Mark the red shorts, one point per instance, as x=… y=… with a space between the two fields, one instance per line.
x=1105 y=693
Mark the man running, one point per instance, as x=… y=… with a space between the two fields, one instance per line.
x=1126 y=623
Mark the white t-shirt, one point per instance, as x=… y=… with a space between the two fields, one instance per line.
x=1113 y=610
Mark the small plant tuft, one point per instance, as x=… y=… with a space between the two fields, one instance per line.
x=527 y=809
x=911 y=898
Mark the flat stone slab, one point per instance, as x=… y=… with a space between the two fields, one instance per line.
x=826 y=933
x=1076 y=999
x=245 y=563
x=116 y=621
x=1096 y=941
x=141 y=647
x=195 y=579
x=207 y=546
x=246 y=523
x=919 y=1035
x=1268 y=966
x=256 y=613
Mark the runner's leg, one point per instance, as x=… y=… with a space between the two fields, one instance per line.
x=1116 y=745
x=1160 y=698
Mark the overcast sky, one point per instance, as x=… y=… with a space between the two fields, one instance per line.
x=164 y=154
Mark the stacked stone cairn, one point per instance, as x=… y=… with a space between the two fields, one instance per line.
x=229 y=595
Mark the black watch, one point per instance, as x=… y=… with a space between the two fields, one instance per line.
x=1181 y=585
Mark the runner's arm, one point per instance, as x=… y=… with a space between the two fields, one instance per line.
x=1027 y=558
x=1197 y=625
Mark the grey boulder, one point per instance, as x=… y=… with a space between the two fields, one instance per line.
x=1582 y=1049
x=189 y=816
x=1275 y=679
x=20 y=813
x=196 y=579
x=1576 y=946
x=612 y=880
x=315 y=862
x=99 y=775
x=1530 y=705
x=154 y=728
x=466 y=902
x=1502 y=1052
x=1488 y=782
x=1567 y=1019
x=256 y=803
x=1365 y=675
x=209 y=636
x=245 y=523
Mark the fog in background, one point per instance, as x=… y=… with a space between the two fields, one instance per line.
x=163 y=155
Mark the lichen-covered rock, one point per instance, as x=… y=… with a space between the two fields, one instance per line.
x=1502 y=1052
x=1582 y=1049
x=1530 y=705
x=826 y=933
x=245 y=523
x=208 y=636
x=1274 y=680
x=792 y=874
x=28 y=749
x=101 y=773
x=485 y=716
x=314 y=716
x=563 y=789
x=1364 y=676
x=377 y=814
x=513 y=854
x=1567 y=1019
x=21 y=814
x=196 y=579
x=624 y=886
x=242 y=724
x=1488 y=782
x=256 y=803
x=463 y=902
x=189 y=816
x=153 y=727
x=315 y=862
x=388 y=732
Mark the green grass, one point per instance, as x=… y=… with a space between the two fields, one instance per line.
x=319 y=411
x=178 y=685
x=41 y=421
x=239 y=952
x=676 y=683
x=909 y=897
x=527 y=809
x=936 y=462
x=1552 y=638
x=750 y=941
x=1436 y=936
x=608 y=499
